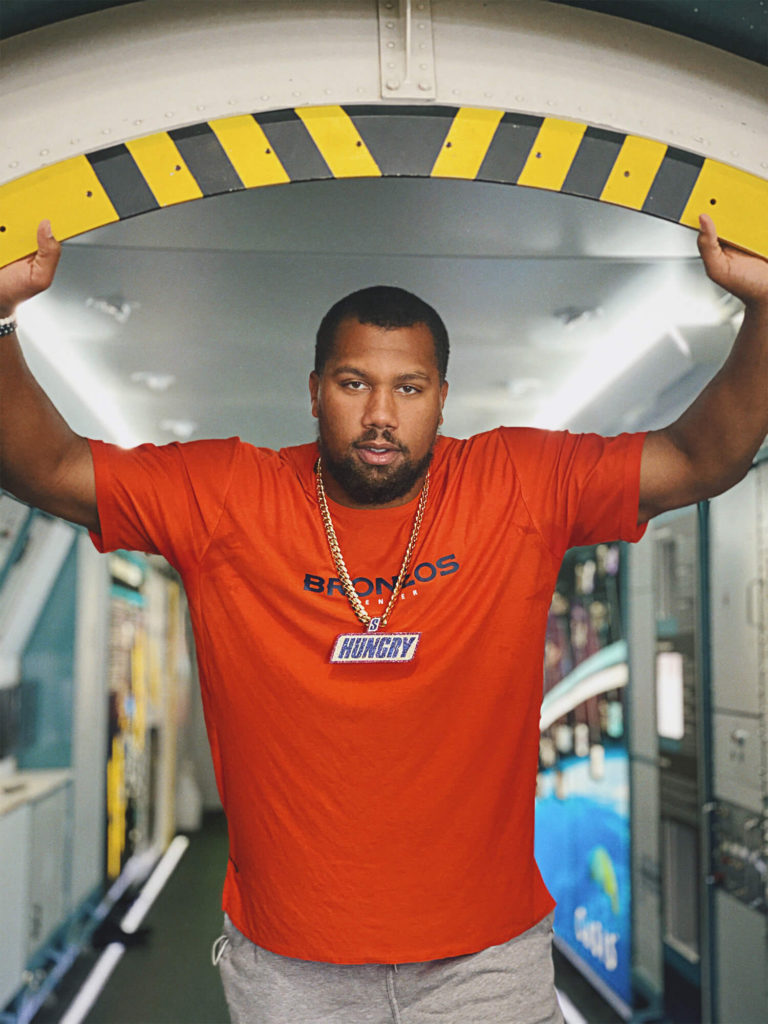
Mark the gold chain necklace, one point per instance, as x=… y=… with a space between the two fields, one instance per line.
x=369 y=621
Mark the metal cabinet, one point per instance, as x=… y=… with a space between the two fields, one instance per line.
x=736 y=535
x=48 y=899
x=14 y=868
x=739 y=573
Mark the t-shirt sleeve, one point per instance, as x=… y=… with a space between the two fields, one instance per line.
x=579 y=488
x=165 y=499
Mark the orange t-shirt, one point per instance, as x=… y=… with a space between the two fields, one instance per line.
x=379 y=813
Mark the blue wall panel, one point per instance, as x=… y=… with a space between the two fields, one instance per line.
x=47 y=674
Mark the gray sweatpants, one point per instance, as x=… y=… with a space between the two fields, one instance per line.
x=508 y=984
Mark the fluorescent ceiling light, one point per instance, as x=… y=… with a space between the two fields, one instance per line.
x=181 y=428
x=154 y=381
x=638 y=329
x=41 y=330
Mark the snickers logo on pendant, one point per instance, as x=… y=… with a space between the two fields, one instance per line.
x=360 y=648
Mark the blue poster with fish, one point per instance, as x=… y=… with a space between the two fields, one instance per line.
x=582 y=805
x=582 y=848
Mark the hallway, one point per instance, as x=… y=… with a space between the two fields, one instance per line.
x=166 y=975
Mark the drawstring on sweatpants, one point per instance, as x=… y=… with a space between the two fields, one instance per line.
x=219 y=947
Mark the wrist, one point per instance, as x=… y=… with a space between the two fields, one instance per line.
x=757 y=308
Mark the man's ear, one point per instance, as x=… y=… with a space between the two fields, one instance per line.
x=314 y=388
x=443 y=396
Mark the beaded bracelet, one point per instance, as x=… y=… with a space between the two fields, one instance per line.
x=7 y=325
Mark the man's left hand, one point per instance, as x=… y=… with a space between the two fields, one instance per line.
x=741 y=274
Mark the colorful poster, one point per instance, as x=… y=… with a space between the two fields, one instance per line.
x=582 y=807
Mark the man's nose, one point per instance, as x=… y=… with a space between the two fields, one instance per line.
x=380 y=409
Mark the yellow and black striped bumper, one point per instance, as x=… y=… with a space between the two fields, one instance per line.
x=312 y=143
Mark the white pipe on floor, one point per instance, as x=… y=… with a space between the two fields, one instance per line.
x=110 y=958
x=94 y=984
x=176 y=850
x=571 y=1014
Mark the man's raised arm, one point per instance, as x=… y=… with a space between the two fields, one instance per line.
x=42 y=461
x=712 y=445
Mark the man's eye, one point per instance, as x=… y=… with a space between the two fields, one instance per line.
x=353 y=385
x=409 y=389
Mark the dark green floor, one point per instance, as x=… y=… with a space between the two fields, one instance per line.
x=167 y=977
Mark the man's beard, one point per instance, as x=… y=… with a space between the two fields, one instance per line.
x=375 y=485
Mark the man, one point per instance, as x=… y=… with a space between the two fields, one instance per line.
x=369 y=615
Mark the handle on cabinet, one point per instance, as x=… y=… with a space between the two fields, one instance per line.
x=37 y=921
x=754 y=593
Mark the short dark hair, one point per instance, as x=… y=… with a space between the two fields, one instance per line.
x=383 y=306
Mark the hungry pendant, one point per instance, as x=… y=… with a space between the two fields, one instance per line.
x=371 y=646
x=361 y=648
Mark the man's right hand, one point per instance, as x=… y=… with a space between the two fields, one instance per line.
x=30 y=275
x=42 y=460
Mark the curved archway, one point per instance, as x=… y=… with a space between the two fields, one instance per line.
x=314 y=143
x=527 y=94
